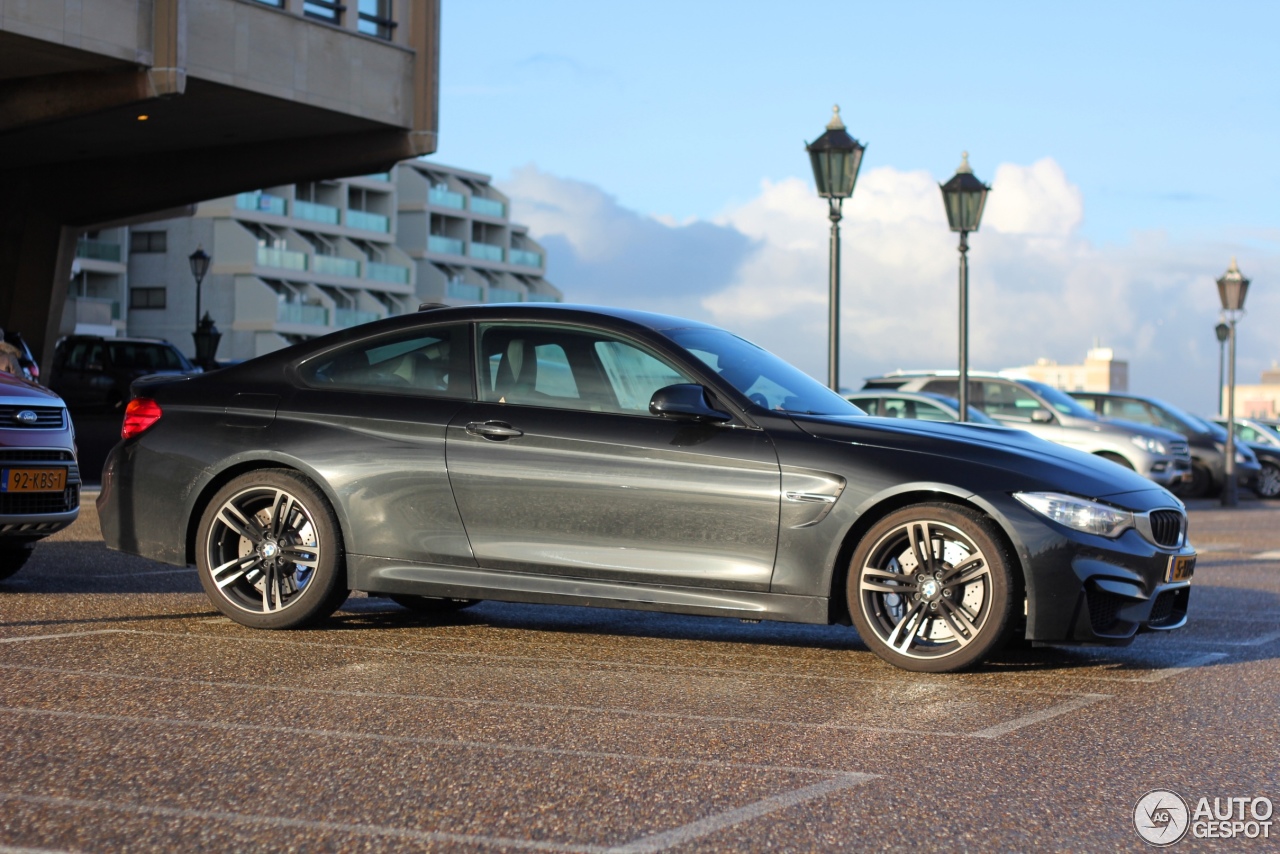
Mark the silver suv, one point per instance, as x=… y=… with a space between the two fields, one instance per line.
x=1161 y=455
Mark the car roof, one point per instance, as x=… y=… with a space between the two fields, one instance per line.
x=557 y=311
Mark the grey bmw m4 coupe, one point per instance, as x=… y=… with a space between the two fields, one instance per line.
x=587 y=456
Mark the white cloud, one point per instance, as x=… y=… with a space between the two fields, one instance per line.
x=1036 y=288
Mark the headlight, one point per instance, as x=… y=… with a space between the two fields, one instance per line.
x=1079 y=514
x=1155 y=446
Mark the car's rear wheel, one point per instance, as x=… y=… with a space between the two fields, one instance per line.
x=931 y=588
x=268 y=551
x=1117 y=459
x=1200 y=484
x=12 y=559
x=430 y=604
x=1267 y=484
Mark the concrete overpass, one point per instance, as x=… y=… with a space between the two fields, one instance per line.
x=115 y=109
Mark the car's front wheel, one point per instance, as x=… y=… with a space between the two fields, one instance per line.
x=269 y=553
x=931 y=588
x=1267 y=484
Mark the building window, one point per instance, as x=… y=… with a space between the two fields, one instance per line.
x=147 y=241
x=146 y=298
x=324 y=10
x=375 y=18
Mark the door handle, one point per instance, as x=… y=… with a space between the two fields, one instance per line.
x=495 y=430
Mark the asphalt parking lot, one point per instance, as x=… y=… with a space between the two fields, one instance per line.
x=137 y=718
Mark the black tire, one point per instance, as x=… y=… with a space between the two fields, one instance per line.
x=1200 y=485
x=269 y=553
x=430 y=604
x=933 y=610
x=1267 y=483
x=13 y=559
x=1117 y=459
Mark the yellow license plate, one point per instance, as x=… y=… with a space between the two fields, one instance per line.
x=1181 y=568
x=33 y=480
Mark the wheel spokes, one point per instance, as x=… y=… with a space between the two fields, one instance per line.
x=904 y=633
x=235 y=569
x=875 y=580
x=922 y=545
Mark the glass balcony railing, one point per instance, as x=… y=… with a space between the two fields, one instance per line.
x=379 y=176
x=445 y=198
x=505 y=295
x=344 y=317
x=98 y=250
x=486 y=252
x=95 y=310
x=283 y=258
x=525 y=258
x=310 y=315
x=487 y=207
x=532 y=297
x=458 y=289
x=260 y=201
x=444 y=245
x=334 y=266
x=327 y=214
x=393 y=273
x=368 y=221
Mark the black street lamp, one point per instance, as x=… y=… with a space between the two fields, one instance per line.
x=206 y=335
x=836 y=157
x=1222 y=331
x=964 y=197
x=1232 y=288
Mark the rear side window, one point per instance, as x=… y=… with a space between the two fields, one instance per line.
x=433 y=362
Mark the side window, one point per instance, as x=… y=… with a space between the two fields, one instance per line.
x=1088 y=403
x=896 y=407
x=433 y=362
x=1131 y=410
x=929 y=412
x=1008 y=401
x=75 y=357
x=569 y=368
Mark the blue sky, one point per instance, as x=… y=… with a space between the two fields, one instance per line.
x=655 y=149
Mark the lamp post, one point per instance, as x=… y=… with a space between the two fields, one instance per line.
x=1222 y=331
x=836 y=157
x=206 y=336
x=964 y=197
x=1232 y=288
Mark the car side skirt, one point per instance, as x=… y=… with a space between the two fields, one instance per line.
x=381 y=576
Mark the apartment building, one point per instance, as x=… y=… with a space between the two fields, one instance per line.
x=302 y=260
x=1101 y=371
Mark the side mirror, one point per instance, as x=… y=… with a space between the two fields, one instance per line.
x=1042 y=416
x=685 y=402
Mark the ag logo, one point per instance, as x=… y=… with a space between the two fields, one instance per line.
x=1161 y=817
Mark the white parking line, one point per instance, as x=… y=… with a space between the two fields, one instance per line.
x=1036 y=717
x=706 y=826
x=275 y=821
x=187 y=571
x=1161 y=674
x=60 y=636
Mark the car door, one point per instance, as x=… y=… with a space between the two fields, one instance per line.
x=559 y=468
x=372 y=415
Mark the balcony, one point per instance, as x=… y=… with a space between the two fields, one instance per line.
x=379 y=176
x=326 y=214
x=488 y=207
x=98 y=250
x=283 y=258
x=307 y=315
x=444 y=245
x=368 y=221
x=486 y=252
x=344 y=317
x=525 y=258
x=260 y=201
x=95 y=311
x=444 y=198
x=505 y=295
x=392 y=273
x=458 y=289
x=332 y=265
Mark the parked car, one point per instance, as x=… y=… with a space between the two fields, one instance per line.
x=30 y=368
x=1264 y=442
x=39 y=477
x=1046 y=412
x=601 y=457
x=922 y=405
x=93 y=372
x=1207 y=443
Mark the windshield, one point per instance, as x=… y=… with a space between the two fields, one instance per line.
x=1060 y=401
x=762 y=377
x=1195 y=422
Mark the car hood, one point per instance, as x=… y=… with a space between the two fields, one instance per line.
x=16 y=391
x=1004 y=448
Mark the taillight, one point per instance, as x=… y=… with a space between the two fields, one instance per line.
x=139 y=415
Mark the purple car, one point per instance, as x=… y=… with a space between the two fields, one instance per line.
x=39 y=477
